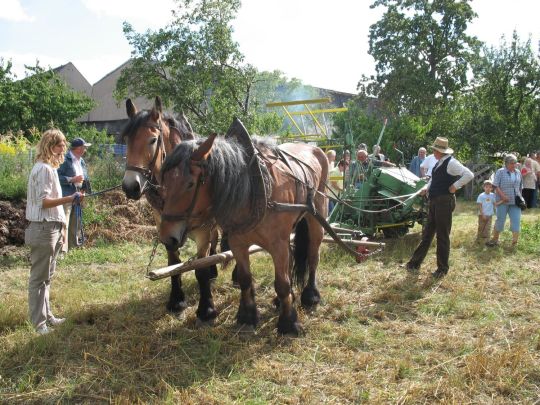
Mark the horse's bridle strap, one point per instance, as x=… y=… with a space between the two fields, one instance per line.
x=147 y=171
x=189 y=213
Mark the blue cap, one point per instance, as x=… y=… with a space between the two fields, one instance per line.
x=79 y=142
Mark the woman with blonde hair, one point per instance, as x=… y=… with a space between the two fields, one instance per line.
x=45 y=212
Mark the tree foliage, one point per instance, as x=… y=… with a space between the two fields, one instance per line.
x=435 y=80
x=197 y=68
x=504 y=105
x=38 y=101
x=422 y=53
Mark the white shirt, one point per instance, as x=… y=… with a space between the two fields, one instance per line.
x=455 y=168
x=429 y=163
x=77 y=166
x=43 y=183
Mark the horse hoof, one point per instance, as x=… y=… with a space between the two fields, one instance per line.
x=293 y=330
x=200 y=324
x=176 y=307
x=310 y=298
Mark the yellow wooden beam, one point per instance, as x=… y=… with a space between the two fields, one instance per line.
x=292 y=120
x=327 y=110
x=299 y=102
x=316 y=120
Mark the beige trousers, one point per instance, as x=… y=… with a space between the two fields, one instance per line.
x=45 y=241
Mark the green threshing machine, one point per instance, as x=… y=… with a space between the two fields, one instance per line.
x=388 y=198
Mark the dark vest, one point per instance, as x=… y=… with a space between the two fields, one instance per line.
x=441 y=180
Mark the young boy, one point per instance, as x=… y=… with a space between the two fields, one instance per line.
x=486 y=210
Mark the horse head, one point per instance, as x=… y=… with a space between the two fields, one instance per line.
x=150 y=135
x=186 y=192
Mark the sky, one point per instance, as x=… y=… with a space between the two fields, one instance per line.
x=323 y=43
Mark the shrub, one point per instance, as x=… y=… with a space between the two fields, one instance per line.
x=16 y=159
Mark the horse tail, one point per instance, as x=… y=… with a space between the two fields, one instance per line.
x=301 y=243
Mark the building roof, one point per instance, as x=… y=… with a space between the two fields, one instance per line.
x=110 y=114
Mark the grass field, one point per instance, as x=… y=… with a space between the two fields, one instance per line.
x=379 y=336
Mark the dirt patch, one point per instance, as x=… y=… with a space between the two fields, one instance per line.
x=12 y=223
x=122 y=219
x=125 y=220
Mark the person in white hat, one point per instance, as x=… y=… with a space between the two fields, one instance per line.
x=448 y=176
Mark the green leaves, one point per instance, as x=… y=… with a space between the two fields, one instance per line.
x=422 y=52
x=197 y=68
x=39 y=100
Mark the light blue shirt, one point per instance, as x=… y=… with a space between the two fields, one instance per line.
x=488 y=204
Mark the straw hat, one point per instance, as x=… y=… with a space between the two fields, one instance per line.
x=441 y=145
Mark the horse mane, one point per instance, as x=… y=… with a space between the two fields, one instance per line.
x=141 y=118
x=227 y=167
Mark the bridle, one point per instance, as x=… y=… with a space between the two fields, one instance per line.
x=147 y=171
x=188 y=215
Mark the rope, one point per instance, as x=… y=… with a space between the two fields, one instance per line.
x=78 y=212
x=102 y=191
x=394 y=207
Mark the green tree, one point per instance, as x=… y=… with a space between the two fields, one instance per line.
x=197 y=68
x=422 y=53
x=502 y=112
x=38 y=101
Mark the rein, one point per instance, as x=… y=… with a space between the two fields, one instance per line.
x=200 y=181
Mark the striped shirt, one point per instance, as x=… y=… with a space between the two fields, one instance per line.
x=510 y=184
x=43 y=183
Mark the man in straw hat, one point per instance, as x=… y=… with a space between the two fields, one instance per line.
x=448 y=176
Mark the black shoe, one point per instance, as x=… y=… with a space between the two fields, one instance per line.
x=439 y=273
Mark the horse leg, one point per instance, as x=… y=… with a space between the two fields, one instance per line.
x=247 y=310
x=288 y=318
x=177 y=301
x=310 y=294
x=206 y=243
x=206 y=312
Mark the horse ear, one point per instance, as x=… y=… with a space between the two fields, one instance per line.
x=202 y=152
x=130 y=108
x=158 y=105
x=175 y=137
x=157 y=109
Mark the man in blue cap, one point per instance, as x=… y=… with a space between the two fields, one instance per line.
x=73 y=175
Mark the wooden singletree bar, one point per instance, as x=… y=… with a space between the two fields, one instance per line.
x=181 y=268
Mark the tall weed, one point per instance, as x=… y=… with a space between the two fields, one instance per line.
x=15 y=164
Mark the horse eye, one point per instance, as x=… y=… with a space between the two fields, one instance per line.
x=153 y=141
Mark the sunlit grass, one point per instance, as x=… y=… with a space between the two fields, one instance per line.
x=379 y=335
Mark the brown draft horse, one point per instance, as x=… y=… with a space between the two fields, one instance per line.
x=150 y=136
x=208 y=180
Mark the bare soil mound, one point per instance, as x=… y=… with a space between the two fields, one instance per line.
x=121 y=219
x=126 y=220
x=12 y=223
